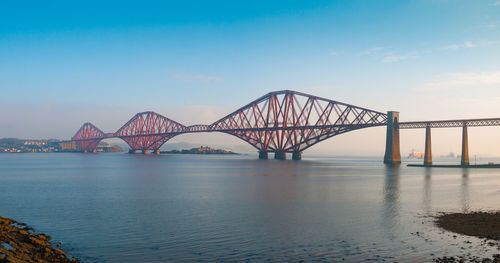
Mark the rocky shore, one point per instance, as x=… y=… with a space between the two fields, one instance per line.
x=19 y=243
x=478 y=224
x=485 y=225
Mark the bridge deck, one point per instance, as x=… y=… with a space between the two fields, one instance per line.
x=449 y=123
x=333 y=126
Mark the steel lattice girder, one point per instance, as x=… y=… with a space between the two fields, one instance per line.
x=279 y=121
x=88 y=136
x=148 y=131
x=449 y=123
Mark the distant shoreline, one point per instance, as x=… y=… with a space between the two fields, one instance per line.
x=456 y=165
x=14 y=145
x=200 y=150
x=170 y=152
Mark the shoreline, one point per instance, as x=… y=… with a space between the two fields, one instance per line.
x=455 y=165
x=20 y=243
x=478 y=224
x=483 y=225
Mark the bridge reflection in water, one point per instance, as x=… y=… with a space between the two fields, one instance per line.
x=456 y=181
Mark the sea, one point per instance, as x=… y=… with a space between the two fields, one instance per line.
x=118 y=207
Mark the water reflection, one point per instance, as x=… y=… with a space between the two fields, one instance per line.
x=391 y=203
x=464 y=190
x=427 y=190
x=147 y=208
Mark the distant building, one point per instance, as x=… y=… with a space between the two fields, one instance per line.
x=68 y=146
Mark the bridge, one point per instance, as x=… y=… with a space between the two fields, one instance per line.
x=279 y=122
x=392 y=153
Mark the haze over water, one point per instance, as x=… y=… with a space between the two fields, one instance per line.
x=146 y=208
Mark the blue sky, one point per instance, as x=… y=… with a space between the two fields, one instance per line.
x=66 y=62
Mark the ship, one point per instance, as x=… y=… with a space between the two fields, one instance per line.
x=415 y=155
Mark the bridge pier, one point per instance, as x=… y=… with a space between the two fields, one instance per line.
x=280 y=155
x=428 y=151
x=392 y=151
x=296 y=155
x=145 y=152
x=131 y=151
x=263 y=155
x=157 y=151
x=465 y=147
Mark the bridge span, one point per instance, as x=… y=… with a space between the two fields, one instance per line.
x=392 y=153
x=280 y=122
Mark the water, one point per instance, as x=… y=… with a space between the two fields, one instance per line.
x=184 y=208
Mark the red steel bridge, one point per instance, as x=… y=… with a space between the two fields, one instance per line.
x=280 y=122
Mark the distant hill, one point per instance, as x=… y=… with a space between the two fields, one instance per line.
x=9 y=142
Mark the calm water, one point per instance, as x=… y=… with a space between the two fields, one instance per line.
x=136 y=208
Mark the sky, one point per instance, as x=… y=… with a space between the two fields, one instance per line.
x=63 y=63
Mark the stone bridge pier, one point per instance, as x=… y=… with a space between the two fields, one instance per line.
x=392 y=152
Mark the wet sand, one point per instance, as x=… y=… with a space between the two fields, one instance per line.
x=19 y=243
x=484 y=225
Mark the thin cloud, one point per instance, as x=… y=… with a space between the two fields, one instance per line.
x=334 y=53
x=450 y=47
x=463 y=80
x=490 y=26
x=497 y=3
x=372 y=50
x=468 y=44
x=200 y=78
x=396 y=58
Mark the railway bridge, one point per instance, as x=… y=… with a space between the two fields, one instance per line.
x=392 y=152
x=282 y=122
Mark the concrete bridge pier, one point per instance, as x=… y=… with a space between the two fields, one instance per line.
x=428 y=151
x=157 y=151
x=280 y=155
x=145 y=152
x=296 y=155
x=131 y=151
x=263 y=155
x=392 y=151
x=465 y=147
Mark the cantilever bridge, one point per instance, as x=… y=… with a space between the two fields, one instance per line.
x=280 y=122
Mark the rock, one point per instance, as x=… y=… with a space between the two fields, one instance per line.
x=26 y=246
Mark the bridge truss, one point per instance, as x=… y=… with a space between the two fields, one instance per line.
x=450 y=123
x=280 y=122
